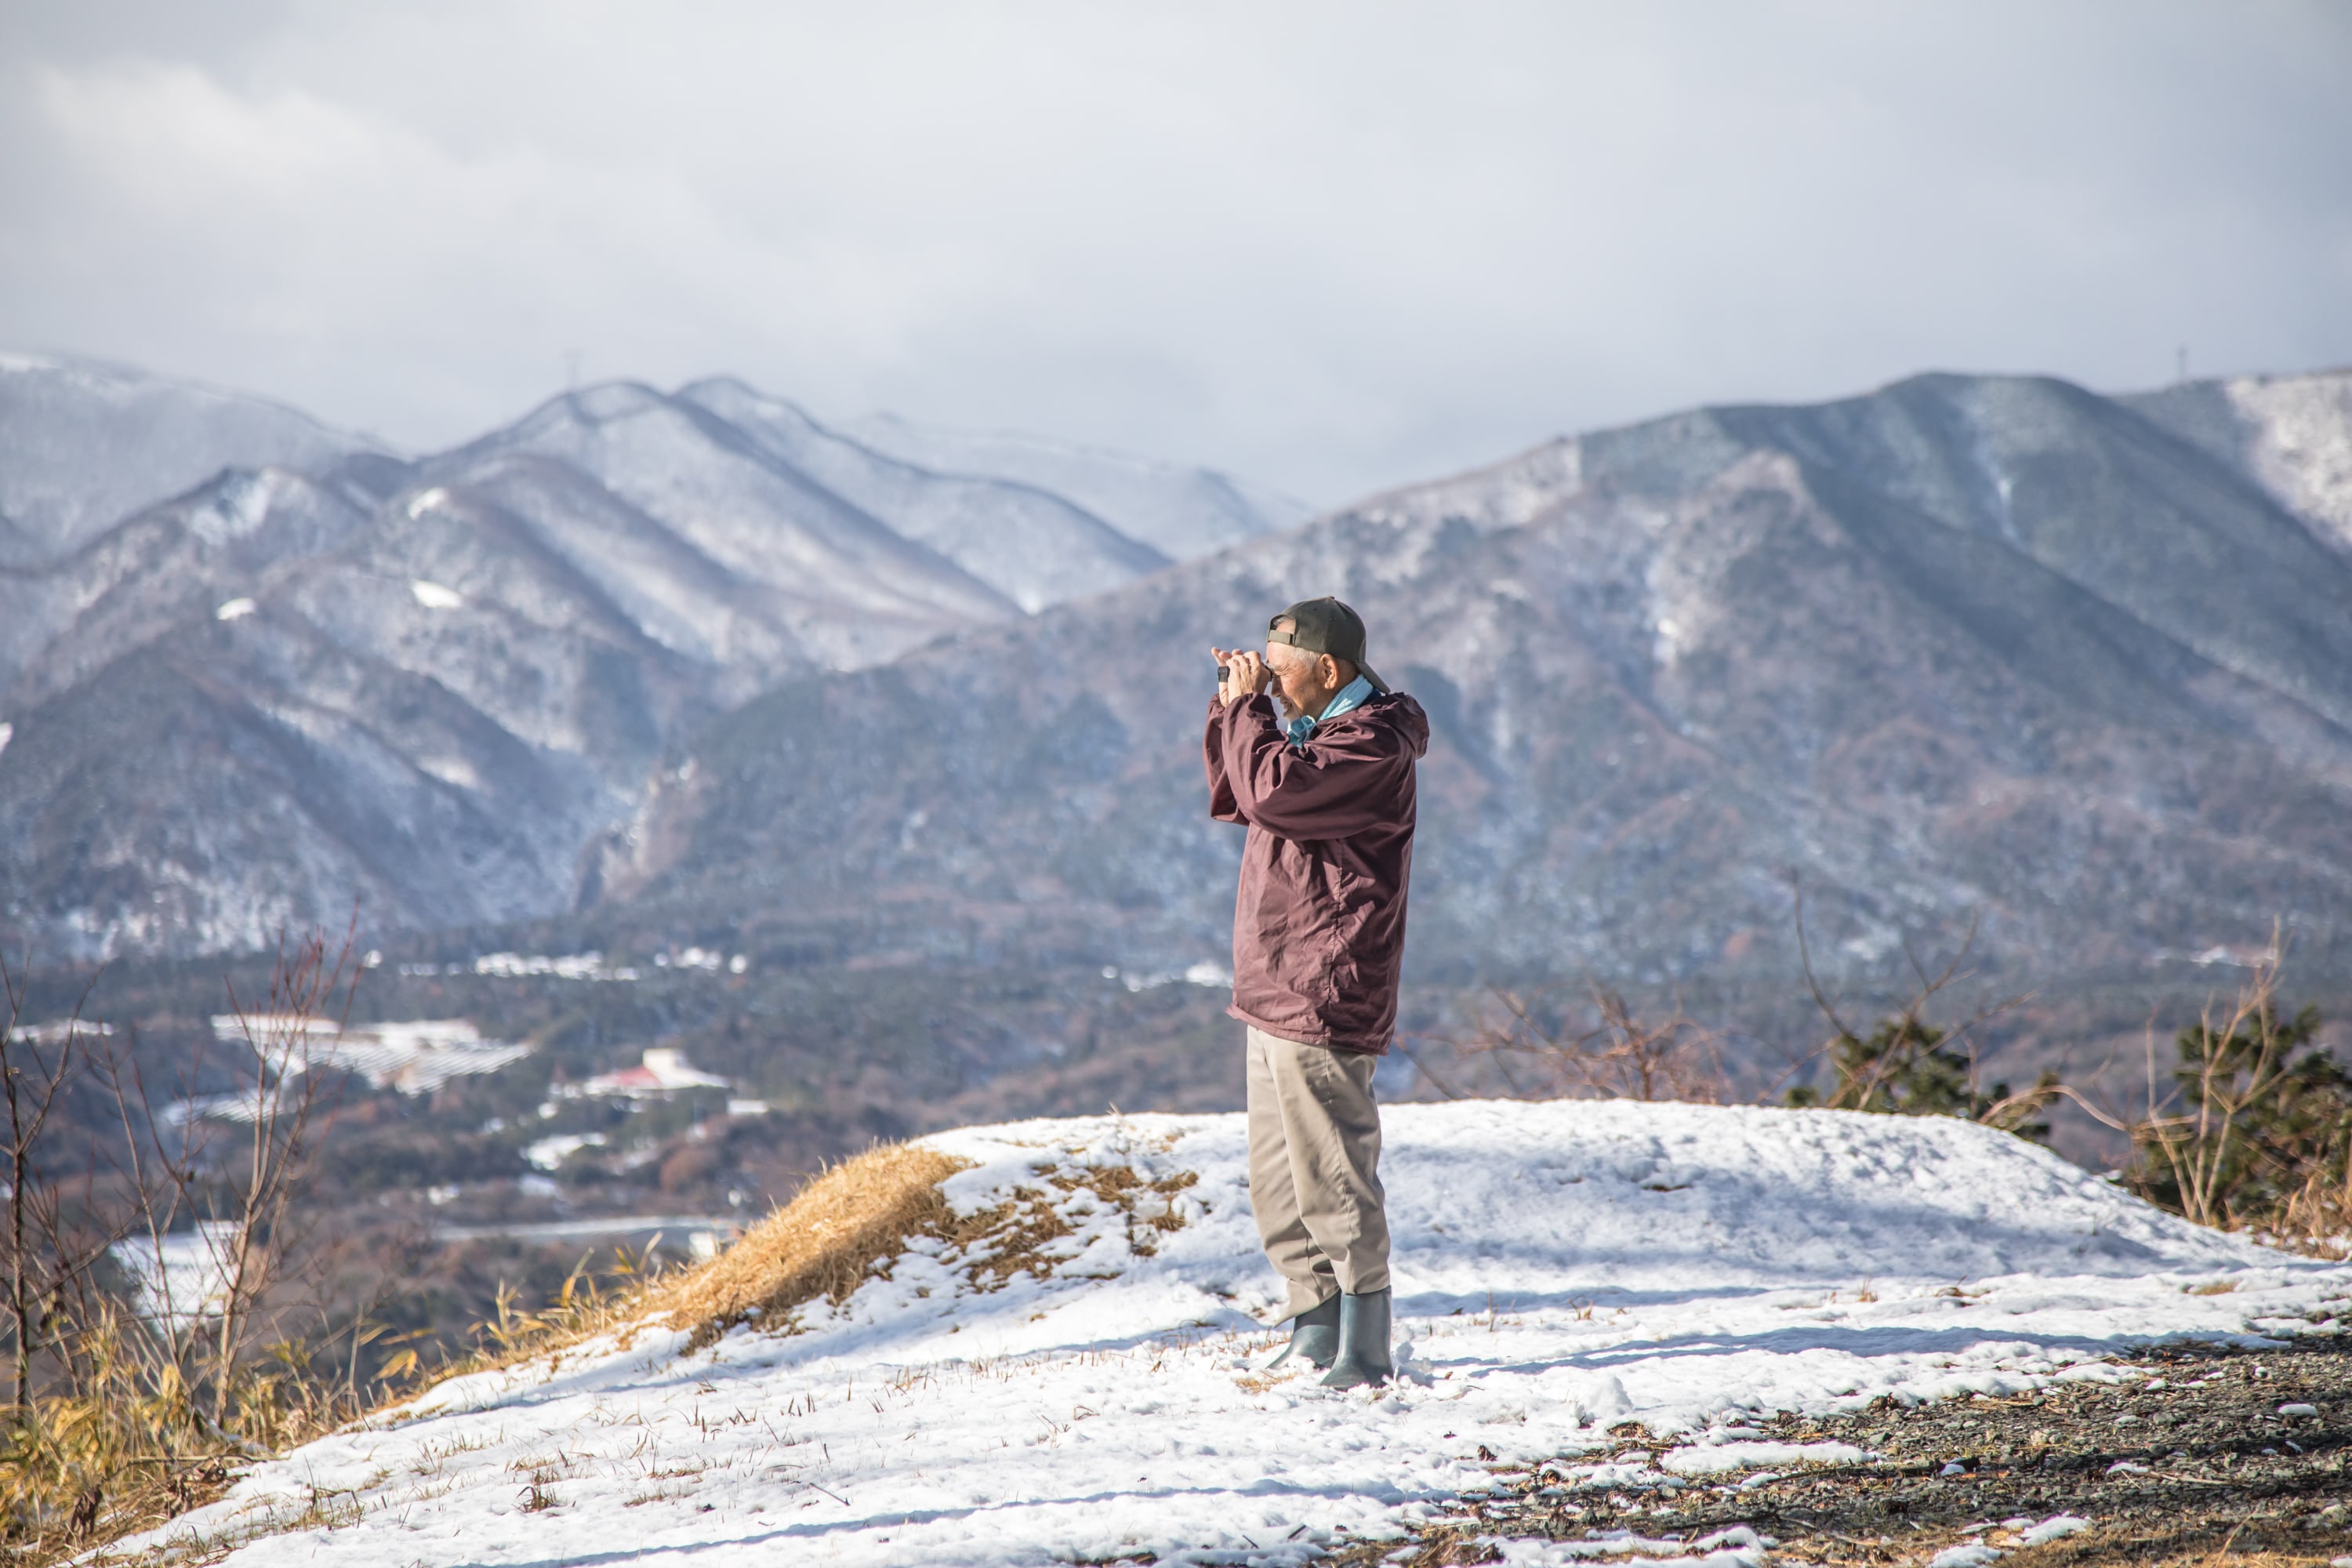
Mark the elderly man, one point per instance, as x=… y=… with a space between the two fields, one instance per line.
x=1319 y=939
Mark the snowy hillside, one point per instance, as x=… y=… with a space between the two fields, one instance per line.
x=1063 y=1369
x=1035 y=547
x=82 y=445
x=2292 y=432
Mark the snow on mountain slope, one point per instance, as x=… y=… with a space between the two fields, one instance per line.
x=1177 y=511
x=62 y=622
x=83 y=445
x=1033 y=547
x=1559 y=1269
x=737 y=630
x=411 y=696
x=2292 y=432
x=866 y=592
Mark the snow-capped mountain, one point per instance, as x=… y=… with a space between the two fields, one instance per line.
x=1179 y=511
x=1968 y=643
x=427 y=685
x=83 y=445
x=1029 y=543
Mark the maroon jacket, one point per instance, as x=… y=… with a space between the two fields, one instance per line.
x=1319 y=929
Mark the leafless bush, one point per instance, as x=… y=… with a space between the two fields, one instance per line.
x=159 y=1314
x=286 y=1109
x=1592 y=1045
x=53 y=1239
x=1907 y=1066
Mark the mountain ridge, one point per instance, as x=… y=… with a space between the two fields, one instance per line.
x=84 y=443
x=2074 y=673
x=446 y=676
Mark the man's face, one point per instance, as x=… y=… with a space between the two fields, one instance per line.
x=1298 y=686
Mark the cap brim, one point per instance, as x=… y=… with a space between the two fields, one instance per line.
x=1378 y=684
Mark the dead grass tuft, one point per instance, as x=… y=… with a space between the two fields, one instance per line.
x=825 y=1242
x=854 y=1220
x=849 y=1225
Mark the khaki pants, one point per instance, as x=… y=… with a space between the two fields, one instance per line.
x=1314 y=1154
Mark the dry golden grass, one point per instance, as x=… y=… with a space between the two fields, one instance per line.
x=846 y=1226
x=850 y=1222
x=824 y=1242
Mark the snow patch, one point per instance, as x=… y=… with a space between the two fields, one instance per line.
x=434 y=596
x=457 y=773
x=236 y=508
x=549 y=1154
x=1738 y=1547
x=234 y=610
x=1722 y=1457
x=1970 y=1554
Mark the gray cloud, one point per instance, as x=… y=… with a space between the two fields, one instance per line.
x=1332 y=245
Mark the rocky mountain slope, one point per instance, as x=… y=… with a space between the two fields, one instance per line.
x=1968 y=646
x=429 y=685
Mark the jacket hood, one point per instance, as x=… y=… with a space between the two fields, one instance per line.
x=1397 y=711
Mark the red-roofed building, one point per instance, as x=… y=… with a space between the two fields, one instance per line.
x=664 y=1071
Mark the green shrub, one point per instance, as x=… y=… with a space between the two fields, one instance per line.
x=2256 y=1126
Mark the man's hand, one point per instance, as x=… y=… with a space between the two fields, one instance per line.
x=1246 y=674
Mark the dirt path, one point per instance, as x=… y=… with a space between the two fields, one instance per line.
x=2189 y=1461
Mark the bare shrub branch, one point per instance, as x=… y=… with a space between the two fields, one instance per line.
x=1908 y=1065
x=1592 y=1045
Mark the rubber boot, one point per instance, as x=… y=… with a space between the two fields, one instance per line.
x=1363 y=1342
x=1314 y=1335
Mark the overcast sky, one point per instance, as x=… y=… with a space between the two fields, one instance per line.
x=1332 y=246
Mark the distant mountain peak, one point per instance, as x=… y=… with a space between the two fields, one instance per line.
x=84 y=444
x=438 y=684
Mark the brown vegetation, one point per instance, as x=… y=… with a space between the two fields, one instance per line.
x=852 y=1221
x=824 y=1242
x=135 y=1390
x=2252 y=1129
x=1547 y=1046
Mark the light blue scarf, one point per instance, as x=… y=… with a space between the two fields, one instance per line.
x=1352 y=695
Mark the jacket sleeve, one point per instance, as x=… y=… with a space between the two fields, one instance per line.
x=1337 y=787
x=1221 y=791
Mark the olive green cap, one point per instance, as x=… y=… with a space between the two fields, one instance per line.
x=1325 y=626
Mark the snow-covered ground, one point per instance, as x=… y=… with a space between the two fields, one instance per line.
x=1561 y=1269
